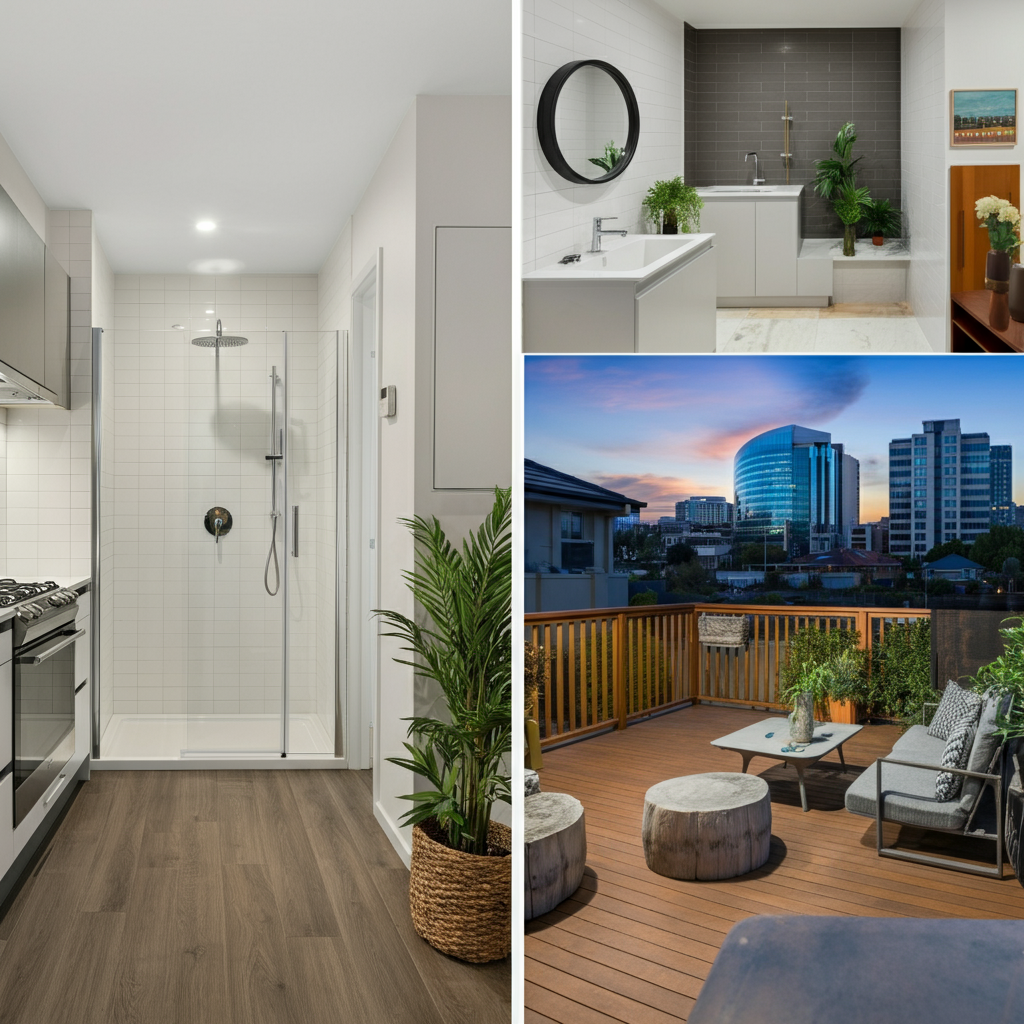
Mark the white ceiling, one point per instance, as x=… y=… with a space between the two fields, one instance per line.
x=790 y=13
x=266 y=117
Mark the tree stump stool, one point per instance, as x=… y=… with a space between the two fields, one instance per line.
x=716 y=825
x=532 y=782
x=555 y=845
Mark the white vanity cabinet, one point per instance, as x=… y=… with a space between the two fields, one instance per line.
x=757 y=235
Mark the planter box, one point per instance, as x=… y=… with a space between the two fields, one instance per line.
x=847 y=712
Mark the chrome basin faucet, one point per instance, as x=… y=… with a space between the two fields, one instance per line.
x=595 y=245
x=758 y=180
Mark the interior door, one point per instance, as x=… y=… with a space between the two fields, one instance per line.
x=968 y=236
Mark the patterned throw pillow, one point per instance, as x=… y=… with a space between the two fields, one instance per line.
x=956 y=705
x=958 y=749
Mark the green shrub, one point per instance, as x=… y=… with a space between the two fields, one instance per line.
x=644 y=597
x=901 y=671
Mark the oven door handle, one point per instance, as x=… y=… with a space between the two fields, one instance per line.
x=38 y=659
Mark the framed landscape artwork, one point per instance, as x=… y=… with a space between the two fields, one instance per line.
x=982 y=117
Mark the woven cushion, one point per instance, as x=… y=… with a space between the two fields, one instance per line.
x=957 y=704
x=958 y=749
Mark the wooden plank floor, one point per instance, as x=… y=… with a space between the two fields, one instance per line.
x=209 y=897
x=635 y=947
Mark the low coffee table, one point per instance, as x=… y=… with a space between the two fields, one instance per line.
x=752 y=742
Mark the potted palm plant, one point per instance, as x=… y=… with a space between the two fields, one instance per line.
x=835 y=179
x=881 y=219
x=460 y=884
x=845 y=685
x=675 y=206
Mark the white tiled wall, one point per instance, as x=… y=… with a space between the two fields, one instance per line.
x=194 y=629
x=925 y=138
x=643 y=41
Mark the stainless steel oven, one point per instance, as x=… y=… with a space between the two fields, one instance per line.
x=44 y=697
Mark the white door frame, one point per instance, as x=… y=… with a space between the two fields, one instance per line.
x=362 y=490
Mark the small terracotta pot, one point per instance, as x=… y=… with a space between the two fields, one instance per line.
x=1017 y=292
x=997 y=271
x=878 y=239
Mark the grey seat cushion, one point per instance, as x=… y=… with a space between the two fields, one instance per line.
x=985 y=743
x=916 y=744
x=908 y=795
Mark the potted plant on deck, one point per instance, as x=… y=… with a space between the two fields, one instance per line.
x=845 y=686
x=881 y=220
x=675 y=206
x=460 y=884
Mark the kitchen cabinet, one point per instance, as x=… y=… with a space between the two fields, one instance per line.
x=35 y=305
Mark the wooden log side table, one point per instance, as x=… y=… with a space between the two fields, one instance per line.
x=714 y=825
x=973 y=330
x=554 y=848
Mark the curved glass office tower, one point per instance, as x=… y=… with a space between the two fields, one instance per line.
x=789 y=489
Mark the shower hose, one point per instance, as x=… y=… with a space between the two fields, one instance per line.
x=272 y=553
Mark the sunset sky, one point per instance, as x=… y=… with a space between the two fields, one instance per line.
x=660 y=428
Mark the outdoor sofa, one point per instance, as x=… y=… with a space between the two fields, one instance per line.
x=901 y=788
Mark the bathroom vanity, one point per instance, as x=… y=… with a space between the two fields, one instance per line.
x=644 y=293
x=757 y=233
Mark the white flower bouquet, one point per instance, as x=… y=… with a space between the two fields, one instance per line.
x=1002 y=220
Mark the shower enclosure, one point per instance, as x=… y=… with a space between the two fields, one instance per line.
x=217 y=472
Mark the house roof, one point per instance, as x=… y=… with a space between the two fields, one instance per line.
x=952 y=562
x=542 y=483
x=847 y=558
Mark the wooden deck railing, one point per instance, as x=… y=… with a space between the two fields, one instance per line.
x=604 y=667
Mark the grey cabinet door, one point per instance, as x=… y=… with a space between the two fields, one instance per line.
x=21 y=293
x=57 y=325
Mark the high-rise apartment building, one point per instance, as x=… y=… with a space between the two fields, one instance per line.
x=939 y=487
x=707 y=510
x=1001 y=472
x=790 y=489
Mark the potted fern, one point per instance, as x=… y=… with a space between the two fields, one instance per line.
x=881 y=219
x=675 y=206
x=460 y=885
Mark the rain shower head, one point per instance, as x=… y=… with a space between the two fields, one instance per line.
x=220 y=340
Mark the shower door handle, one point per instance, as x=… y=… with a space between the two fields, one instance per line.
x=295 y=531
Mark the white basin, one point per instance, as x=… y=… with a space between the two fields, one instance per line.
x=634 y=258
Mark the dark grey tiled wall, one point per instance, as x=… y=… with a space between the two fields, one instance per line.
x=689 y=89
x=735 y=97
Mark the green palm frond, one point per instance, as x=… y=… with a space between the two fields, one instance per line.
x=465 y=646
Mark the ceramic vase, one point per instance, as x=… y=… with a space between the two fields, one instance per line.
x=801 y=721
x=997 y=271
x=669 y=224
x=1017 y=292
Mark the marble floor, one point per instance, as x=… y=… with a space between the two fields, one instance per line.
x=842 y=328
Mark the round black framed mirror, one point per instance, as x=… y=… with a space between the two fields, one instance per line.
x=588 y=121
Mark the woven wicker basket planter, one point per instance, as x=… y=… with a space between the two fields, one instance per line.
x=462 y=903
x=723 y=630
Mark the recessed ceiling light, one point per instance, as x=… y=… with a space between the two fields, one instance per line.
x=210 y=311
x=205 y=225
x=178 y=327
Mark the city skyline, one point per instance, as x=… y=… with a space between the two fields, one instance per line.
x=660 y=428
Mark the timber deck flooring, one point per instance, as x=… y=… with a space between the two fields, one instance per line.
x=632 y=946
x=211 y=897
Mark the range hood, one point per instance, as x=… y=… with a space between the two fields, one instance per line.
x=17 y=389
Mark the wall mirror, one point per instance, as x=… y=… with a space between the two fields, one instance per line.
x=588 y=121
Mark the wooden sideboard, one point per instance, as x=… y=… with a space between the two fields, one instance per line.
x=974 y=331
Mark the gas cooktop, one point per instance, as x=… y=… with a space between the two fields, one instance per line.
x=13 y=592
